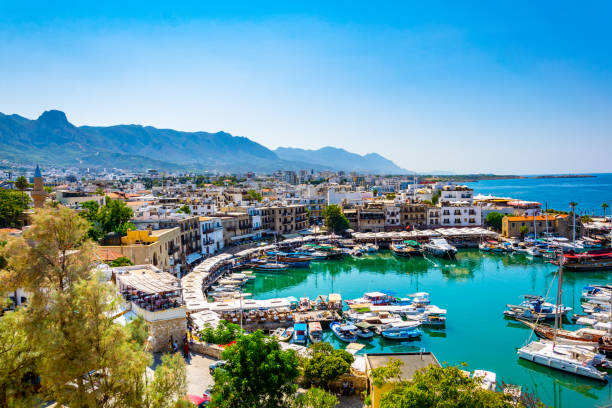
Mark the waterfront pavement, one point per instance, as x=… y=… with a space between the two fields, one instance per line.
x=198 y=375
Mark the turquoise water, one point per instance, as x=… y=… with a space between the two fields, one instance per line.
x=474 y=289
x=589 y=193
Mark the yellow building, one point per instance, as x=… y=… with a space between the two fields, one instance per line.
x=411 y=363
x=558 y=224
x=160 y=247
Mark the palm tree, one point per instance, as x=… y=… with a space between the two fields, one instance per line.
x=21 y=183
x=604 y=206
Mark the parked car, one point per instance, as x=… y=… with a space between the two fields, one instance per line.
x=214 y=366
x=199 y=402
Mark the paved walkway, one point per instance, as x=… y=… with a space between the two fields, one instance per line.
x=198 y=376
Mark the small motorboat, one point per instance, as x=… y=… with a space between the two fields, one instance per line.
x=300 y=333
x=401 y=330
x=270 y=266
x=286 y=335
x=345 y=332
x=315 y=332
x=441 y=248
x=365 y=330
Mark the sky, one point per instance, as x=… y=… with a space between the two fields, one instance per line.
x=515 y=87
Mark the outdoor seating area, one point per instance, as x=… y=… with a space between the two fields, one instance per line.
x=152 y=292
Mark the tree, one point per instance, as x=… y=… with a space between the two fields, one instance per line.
x=254 y=195
x=169 y=383
x=184 y=209
x=523 y=231
x=325 y=364
x=83 y=357
x=121 y=261
x=17 y=363
x=316 y=398
x=390 y=196
x=375 y=193
x=12 y=206
x=224 y=333
x=335 y=219
x=435 y=387
x=435 y=198
x=604 y=207
x=390 y=371
x=114 y=216
x=21 y=183
x=494 y=219
x=258 y=374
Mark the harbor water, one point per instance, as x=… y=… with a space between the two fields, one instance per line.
x=588 y=192
x=474 y=289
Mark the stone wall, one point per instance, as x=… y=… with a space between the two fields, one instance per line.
x=163 y=330
x=207 y=349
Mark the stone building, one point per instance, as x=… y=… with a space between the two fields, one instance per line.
x=38 y=193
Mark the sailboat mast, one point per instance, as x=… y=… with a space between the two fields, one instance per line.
x=557 y=316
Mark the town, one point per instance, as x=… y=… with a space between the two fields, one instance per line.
x=180 y=249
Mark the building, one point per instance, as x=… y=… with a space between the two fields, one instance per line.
x=554 y=224
x=159 y=248
x=453 y=193
x=211 y=235
x=459 y=215
x=284 y=220
x=411 y=363
x=38 y=193
x=413 y=215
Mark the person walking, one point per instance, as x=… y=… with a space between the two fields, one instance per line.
x=186 y=350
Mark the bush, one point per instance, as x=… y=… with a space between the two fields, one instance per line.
x=224 y=333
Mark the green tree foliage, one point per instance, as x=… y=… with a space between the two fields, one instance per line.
x=335 y=220
x=604 y=207
x=12 y=205
x=316 y=398
x=494 y=219
x=523 y=231
x=17 y=363
x=258 y=374
x=83 y=357
x=325 y=364
x=375 y=193
x=169 y=383
x=390 y=371
x=184 y=209
x=21 y=184
x=121 y=261
x=390 y=196
x=254 y=195
x=114 y=216
x=435 y=198
x=224 y=333
x=438 y=387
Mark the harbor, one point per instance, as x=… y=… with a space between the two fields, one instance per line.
x=474 y=289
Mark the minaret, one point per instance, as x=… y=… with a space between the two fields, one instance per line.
x=39 y=195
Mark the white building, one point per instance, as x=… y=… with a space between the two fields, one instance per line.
x=351 y=197
x=211 y=235
x=392 y=216
x=455 y=194
x=460 y=215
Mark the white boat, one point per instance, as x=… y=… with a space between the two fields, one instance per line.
x=402 y=331
x=488 y=379
x=441 y=248
x=579 y=360
x=364 y=330
x=534 y=251
x=371 y=248
x=345 y=332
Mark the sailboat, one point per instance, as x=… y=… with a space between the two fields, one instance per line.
x=575 y=359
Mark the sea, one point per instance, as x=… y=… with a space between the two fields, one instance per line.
x=589 y=192
x=474 y=289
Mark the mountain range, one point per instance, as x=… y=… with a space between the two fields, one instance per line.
x=53 y=140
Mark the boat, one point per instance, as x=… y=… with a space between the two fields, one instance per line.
x=278 y=333
x=373 y=298
x=286 y=335
x=579 y=360
x=407 y=249
x=441 y=248
x=315 y=332
x=537 y=306
x=571 y=358
x=401 y=331
x=534 y=251
x=599 y=259
x=597 y=292
x=584 y=336
x=345 y=332
x=300 y=333
x=487 y=379
x=365 y=330
x=371 y=248
x=270 y=267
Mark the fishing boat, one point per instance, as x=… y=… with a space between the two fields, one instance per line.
x=441 y=248
x=345 y=332
x=270 y=266
x=364 y=330
x=575 y=359
x=401 y=331
x=537 y=306
x=371 y=248
x=373 y=298
x=286 y=335
x=315 y=332
x=300 y=333
x=407 y=249
x=534 y=251
x=487 y=246
x=278 y=333
x=600 y=259
x=583 y=336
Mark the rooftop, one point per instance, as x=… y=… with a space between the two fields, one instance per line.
x=412 y=362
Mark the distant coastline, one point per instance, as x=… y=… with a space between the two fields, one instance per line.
x=472 y=178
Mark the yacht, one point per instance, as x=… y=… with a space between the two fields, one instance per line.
x=441 y=248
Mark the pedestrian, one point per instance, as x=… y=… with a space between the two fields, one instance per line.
x=186 y=350
x=174 y=347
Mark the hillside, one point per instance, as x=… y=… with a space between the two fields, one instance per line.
x=52 y=139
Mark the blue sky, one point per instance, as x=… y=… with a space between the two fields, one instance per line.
x=514 y=87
